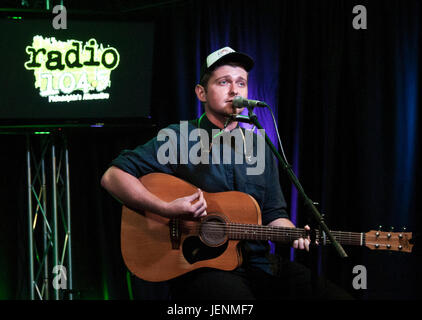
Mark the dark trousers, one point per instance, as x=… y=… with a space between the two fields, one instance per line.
x=293 y=282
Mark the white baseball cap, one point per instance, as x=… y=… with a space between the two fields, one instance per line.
x=225 y=55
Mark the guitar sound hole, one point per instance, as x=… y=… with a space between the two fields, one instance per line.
x=195 y=250
x=213 y=231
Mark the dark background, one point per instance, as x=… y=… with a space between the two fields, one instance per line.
x=347 y=106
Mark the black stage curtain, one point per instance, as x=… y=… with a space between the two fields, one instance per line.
x=347 y=107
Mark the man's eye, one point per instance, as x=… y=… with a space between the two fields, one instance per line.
x=223 y=82
x=242 y=84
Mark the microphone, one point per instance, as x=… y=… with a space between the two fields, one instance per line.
x=239 y=102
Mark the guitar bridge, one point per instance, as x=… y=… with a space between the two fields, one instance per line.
x=175 y=232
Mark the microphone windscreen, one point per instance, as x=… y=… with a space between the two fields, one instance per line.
x=238 y=102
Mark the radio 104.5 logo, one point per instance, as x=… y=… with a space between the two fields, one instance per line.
x=71 y=70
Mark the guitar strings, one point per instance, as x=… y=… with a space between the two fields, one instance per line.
x=285 y=234
x=247 y=229
x=259 y=231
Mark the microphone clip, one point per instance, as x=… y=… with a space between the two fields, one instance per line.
x=240 y=118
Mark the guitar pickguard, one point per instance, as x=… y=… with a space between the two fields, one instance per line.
x=195 y=250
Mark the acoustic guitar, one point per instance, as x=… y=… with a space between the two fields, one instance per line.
x=155 y=248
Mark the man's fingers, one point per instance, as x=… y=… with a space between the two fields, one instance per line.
x=301 y=244
x=197 y=205
x=193 y=196
x=306 y=243
x=200 y=206
x=201 y=211
x=200 y=202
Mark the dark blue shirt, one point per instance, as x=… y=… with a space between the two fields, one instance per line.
x=213 y=176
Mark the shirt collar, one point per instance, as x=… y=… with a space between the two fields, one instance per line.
x=206 y=124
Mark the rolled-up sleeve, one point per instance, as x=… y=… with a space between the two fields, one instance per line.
x=145 y=158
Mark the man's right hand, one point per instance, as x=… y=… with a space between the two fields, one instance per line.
x=130 y=191
x=186 y=207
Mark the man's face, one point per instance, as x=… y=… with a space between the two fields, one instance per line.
x=225 y=83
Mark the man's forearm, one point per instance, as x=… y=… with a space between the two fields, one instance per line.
x=131 y=192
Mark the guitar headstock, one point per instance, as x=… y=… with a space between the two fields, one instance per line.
x=389 y=241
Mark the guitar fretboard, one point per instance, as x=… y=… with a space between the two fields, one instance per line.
x=285 y=235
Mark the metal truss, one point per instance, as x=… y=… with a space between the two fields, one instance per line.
x=49 y=223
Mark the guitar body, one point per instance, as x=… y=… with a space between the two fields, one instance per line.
x=155 y=248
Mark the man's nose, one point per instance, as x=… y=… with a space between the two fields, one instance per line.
x=233 y=90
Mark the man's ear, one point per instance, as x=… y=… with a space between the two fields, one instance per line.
x=201 y=93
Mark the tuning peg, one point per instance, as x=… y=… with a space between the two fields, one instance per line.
x=389 y=233
x=401 y=235
x=377 y=234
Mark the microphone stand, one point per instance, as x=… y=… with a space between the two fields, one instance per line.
x=288 y=168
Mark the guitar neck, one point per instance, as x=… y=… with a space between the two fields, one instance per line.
x=237 y=231
x=343 y=237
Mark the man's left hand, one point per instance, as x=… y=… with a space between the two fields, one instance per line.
x=302 y=243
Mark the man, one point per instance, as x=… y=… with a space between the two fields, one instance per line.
x=224 y=76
